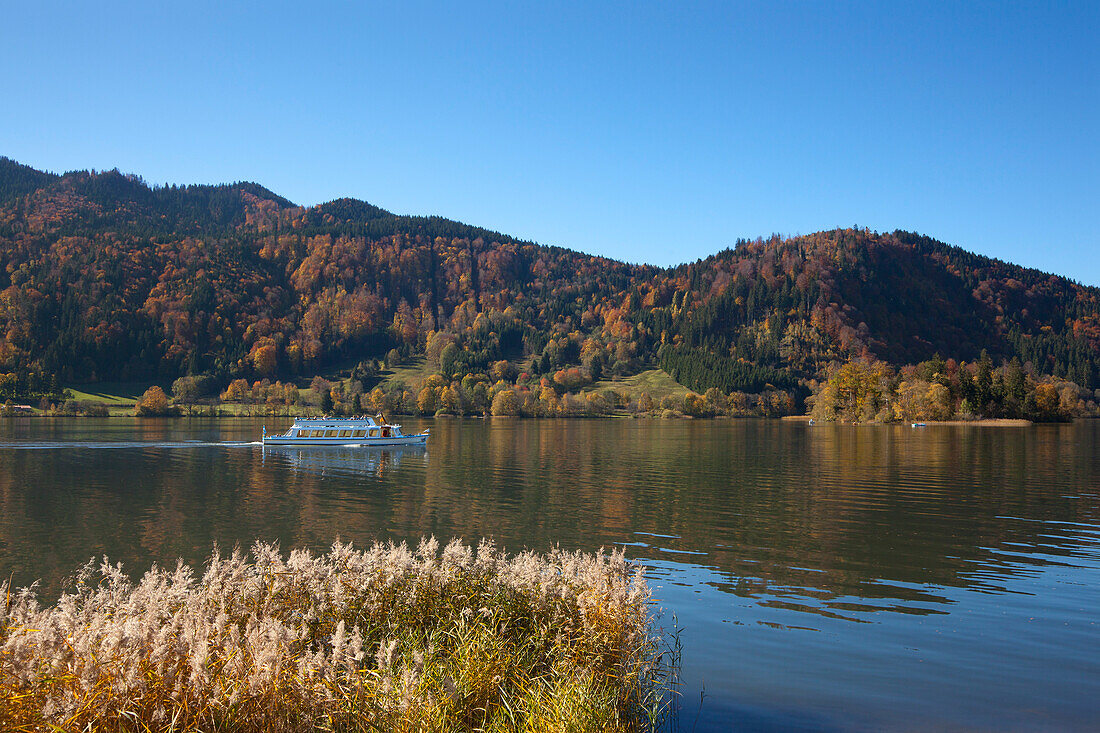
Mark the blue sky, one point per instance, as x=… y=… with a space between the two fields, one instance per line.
x=653 y=132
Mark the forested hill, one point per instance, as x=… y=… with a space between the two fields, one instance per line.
x=105 y=277
x=805 y=301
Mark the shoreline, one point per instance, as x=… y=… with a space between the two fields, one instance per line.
x=998 y=422
x=230 y=415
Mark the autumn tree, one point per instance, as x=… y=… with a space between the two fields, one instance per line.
x=427 y=401
x=153 y=403
x=449 y=401
x=505 y=404
x=237 y=391
x=855 y=392
x=264 y=357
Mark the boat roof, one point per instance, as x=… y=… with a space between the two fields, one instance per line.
x=362 y=420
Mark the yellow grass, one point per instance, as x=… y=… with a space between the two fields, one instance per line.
x=385 y=639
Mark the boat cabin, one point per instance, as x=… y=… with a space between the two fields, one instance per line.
x=340 y=432
x=349 y=430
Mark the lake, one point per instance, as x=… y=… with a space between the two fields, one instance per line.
x=824 y=578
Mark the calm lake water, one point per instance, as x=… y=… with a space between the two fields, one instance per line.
x=825 y=578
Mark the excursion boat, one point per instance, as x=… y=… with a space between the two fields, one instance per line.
x=347 y=432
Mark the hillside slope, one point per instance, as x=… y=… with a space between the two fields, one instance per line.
x=103 y=276
x=900 y=297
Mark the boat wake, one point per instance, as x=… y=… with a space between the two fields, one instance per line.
x=117 y=444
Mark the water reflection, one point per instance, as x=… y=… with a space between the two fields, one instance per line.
x=338 y=461
x=786 y=513
x=880 y=569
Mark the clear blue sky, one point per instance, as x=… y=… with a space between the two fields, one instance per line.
x=655 y=132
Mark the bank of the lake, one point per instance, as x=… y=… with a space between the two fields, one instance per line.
x=992 y=422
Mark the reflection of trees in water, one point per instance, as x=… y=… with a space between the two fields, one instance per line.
x=142 y=505
x=828 y=519
x=884 y=512
x=818 y=518
x=934 y=505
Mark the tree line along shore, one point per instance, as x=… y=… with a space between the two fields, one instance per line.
x=103 y=277
x=858 y=391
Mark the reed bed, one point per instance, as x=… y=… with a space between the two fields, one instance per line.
x=382 y=639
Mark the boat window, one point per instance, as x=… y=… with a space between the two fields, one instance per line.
x=330 y=433
x=359 y=434
x=374 y=432
x=345 y=433
x=317 y=434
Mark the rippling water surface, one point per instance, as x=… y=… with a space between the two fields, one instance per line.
x=825 y=578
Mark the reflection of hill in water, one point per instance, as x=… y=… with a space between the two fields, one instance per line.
x=878 y=569
x=829 y=520
x=826 y=519
x=337 y=461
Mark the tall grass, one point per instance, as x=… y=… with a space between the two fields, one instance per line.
x=382 y=639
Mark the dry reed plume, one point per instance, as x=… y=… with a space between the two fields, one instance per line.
x=384 y=639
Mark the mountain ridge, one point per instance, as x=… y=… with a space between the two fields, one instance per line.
x=101 y=274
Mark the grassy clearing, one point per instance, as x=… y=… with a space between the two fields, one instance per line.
x=382 y=639
x=109 y=393
x=656 y=382
x=412 y=373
